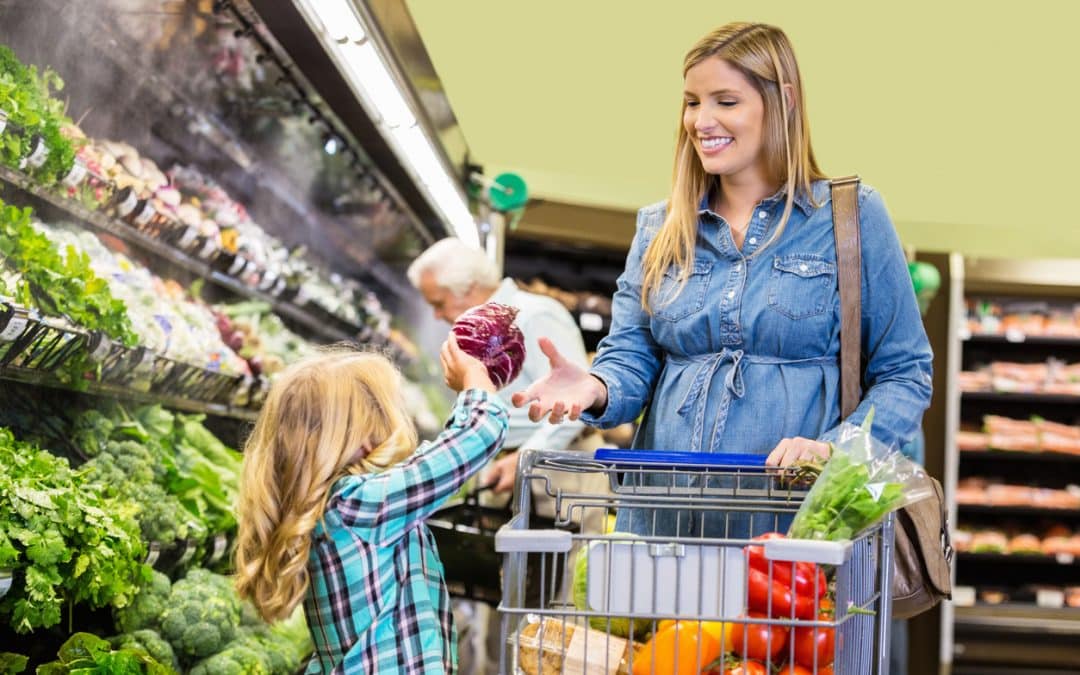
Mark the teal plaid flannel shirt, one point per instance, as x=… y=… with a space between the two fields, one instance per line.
x=377 y=602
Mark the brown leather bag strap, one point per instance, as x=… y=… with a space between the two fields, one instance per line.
x=845 y=209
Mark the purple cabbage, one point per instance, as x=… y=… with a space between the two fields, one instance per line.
x=488 y=333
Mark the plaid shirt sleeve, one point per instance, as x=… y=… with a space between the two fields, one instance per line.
x=382 y=507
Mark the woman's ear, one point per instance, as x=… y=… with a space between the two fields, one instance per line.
x=789 y=96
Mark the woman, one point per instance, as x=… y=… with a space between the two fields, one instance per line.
x=725 y=324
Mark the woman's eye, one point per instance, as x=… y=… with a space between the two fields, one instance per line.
x=691 y=104
x=727 y=104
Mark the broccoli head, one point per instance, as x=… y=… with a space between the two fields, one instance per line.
x=152 y=643
x=236 y=659
x=146 y=609
x=202 y=616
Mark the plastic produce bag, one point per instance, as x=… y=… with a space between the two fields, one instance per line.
x=862 y=481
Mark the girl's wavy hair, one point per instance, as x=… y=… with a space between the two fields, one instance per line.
x=763 y=54
x=337 y=413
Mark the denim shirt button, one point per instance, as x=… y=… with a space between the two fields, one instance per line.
x=753 y=240
x=738 y=267
x=731 y=294
x=761 y=214
x=803 y=268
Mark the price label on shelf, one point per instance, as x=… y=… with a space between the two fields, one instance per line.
x=964 y=334
x=237 y=266
x=188 y=237
x=102 y=350
x=1065 y=558
x=964 y=596
x=208 y=248
x=269 y=278
x=1050 y=597
x=15 y=327
x=5 y=582
x=189 y=552
x=39 y=154
x=3 y=121
x=146 y=363
x=76 y=175
x=591 y=321
x=153 y=552
x=221 y=543
x=1015 y=335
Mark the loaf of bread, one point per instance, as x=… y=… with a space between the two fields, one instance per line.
x=554 y=647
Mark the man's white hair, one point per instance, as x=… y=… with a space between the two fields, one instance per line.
x=455 y=266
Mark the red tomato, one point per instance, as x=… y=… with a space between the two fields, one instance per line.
x=811 y=643
x=796 y=669
x=736 y=668
x=758 y=641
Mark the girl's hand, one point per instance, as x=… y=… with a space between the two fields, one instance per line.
x=461 y=371
x=566 y=389
x=791 y=450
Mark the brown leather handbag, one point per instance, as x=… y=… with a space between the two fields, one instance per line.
x=922 y=552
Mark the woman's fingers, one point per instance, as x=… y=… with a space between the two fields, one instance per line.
x=557 y=412
x=792 y=450
x=548 y=347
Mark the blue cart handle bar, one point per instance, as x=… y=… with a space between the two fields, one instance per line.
x=667 y=458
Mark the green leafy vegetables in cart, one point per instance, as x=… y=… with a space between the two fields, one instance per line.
x=857 y=487
x=846 y=499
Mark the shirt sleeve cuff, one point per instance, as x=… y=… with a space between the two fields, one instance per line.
x=478 y=398
x=610 y=417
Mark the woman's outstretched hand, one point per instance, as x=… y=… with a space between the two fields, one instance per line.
x=566 y=391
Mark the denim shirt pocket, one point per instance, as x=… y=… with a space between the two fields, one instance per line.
x=691 y=298
x=801 y=285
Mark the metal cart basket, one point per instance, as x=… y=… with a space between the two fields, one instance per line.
x=682 y=564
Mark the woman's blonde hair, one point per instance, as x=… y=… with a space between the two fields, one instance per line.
x=339 y=412
x=763 y=54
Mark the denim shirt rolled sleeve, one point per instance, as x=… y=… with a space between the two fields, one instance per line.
x=898 y=360
x=628 y=359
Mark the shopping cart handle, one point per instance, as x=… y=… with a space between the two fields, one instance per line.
x=680 y=459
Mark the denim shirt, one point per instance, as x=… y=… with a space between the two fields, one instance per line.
x=746 y=354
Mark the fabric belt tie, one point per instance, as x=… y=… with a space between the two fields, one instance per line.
x=734 y=387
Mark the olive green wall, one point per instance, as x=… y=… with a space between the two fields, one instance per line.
x=964 y=114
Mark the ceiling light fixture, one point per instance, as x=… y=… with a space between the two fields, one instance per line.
x=343 y=33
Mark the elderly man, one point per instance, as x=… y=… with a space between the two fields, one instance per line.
x=453 y=277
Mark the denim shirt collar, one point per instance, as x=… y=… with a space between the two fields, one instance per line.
x=802 y=200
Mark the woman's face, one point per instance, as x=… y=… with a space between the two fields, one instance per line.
x=724 y=118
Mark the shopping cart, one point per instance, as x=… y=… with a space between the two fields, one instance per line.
x=682 y=567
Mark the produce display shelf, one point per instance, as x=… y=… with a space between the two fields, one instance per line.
x=1018 y=511
x=35 y=350
x=1018 y=456
x=1033 y=399
x=129 y=394
x=1020 y=338
x=320 y=322
x=1021 y=618
x=1020 y=558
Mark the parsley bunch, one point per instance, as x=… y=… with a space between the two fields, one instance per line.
x=26 y=95
x=63 y=540
x=58 y=285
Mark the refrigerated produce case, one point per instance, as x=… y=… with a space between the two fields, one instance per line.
x=182 y=214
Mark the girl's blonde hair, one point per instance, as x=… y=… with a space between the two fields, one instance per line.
x=763 y=54
x=337 y=413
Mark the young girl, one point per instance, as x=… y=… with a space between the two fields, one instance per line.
x=333 y=502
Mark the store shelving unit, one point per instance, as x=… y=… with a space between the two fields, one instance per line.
x=314 y=319
x=1032 y=630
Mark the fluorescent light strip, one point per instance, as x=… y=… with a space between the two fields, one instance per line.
x=338 y=20
x=363 y=66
